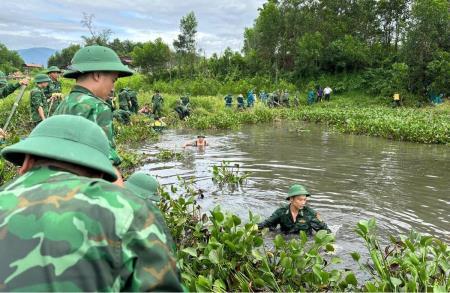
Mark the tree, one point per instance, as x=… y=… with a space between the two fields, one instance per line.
x=152 y=57
x=96 y=37
x=63 y=58
x=10 y=61
x=428 y=33
x=185 y=44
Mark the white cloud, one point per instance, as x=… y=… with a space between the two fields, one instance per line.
x=56 y=23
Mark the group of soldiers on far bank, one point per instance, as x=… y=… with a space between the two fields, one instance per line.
x=277 y=98
x=73 y=222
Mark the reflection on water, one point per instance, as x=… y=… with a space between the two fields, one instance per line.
x=402 y=185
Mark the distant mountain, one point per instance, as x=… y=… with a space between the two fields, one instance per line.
x=36 y=55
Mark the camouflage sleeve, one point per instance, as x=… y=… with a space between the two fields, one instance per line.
x=317 y=223
x=272 y=221
x=149 y=264
x=103 y=116
x=8 y=89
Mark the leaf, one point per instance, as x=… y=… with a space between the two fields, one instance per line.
x=279 y=241
x=371 y=287
x=396 y=282
x=203 y=284
x=329 y=247
x=213 y=257
x=286 y=262
x=191 y=251
x=258 y=241
x=351 y=279
x=356 y=256
x=336 y=260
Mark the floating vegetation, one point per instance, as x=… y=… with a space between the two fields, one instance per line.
x=166 y=155
x=229 y=174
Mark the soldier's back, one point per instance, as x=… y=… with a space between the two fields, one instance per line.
x=63 y=232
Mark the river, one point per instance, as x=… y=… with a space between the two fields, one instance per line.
x=402 y=185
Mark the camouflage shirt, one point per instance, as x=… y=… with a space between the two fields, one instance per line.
x=157 y=100
x=124 y=100
x=53 y=87
x=82 y=102
x=37 y=99
x=8 y=89
x=307 y=220
x=64 y=232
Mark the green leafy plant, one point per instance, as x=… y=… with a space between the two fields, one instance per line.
x=229 y=174
x=169 y=155
x=414 y=263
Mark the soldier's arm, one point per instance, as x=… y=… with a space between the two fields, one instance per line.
x=8 y=89
x=148 y=258
x=318 y=224
x=272 y=221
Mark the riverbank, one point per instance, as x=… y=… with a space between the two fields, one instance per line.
x=353 y=113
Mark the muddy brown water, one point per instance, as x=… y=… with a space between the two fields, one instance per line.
x=402 y=185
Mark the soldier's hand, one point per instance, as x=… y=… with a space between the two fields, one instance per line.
x=24 y=81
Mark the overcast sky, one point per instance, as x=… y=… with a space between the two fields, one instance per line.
x=56 y=23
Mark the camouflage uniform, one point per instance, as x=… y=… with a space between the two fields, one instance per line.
x=8 y=89
x=37 y=99
x=124 y=100
x=134 y=101
x=157 y=101
x=66 y=232
x=82 y=102
x=307 y=220
x=54 y=87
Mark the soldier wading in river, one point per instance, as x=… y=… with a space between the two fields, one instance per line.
x=295 y=216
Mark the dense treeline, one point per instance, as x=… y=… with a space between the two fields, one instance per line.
x=380 y=47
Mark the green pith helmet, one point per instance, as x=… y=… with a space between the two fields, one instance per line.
x=297 y=189
x=94 y=59
x=39 y=78
x=143 y=185
x=201 y=135
x=53 y=69
x=66 y=138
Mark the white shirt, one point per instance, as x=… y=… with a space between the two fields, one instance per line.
x=327 y=91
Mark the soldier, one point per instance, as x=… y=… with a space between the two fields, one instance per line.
x=157 y=103
x=250 y=99
x=132 y=95
x=7 y=89
x=38 y=101
x=182 y=110
x=296 y=216
x=70 y=229
x=145 y=186
x=285 y=99
x=228 y=101
x=240 y=101
x=185 y=100
x=124 y=100
x=95 y=68
x=53 y=91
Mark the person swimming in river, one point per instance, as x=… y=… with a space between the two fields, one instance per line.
x=199 y=142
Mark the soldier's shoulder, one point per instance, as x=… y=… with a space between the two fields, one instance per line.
x=310 y=210
x=35 y=91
